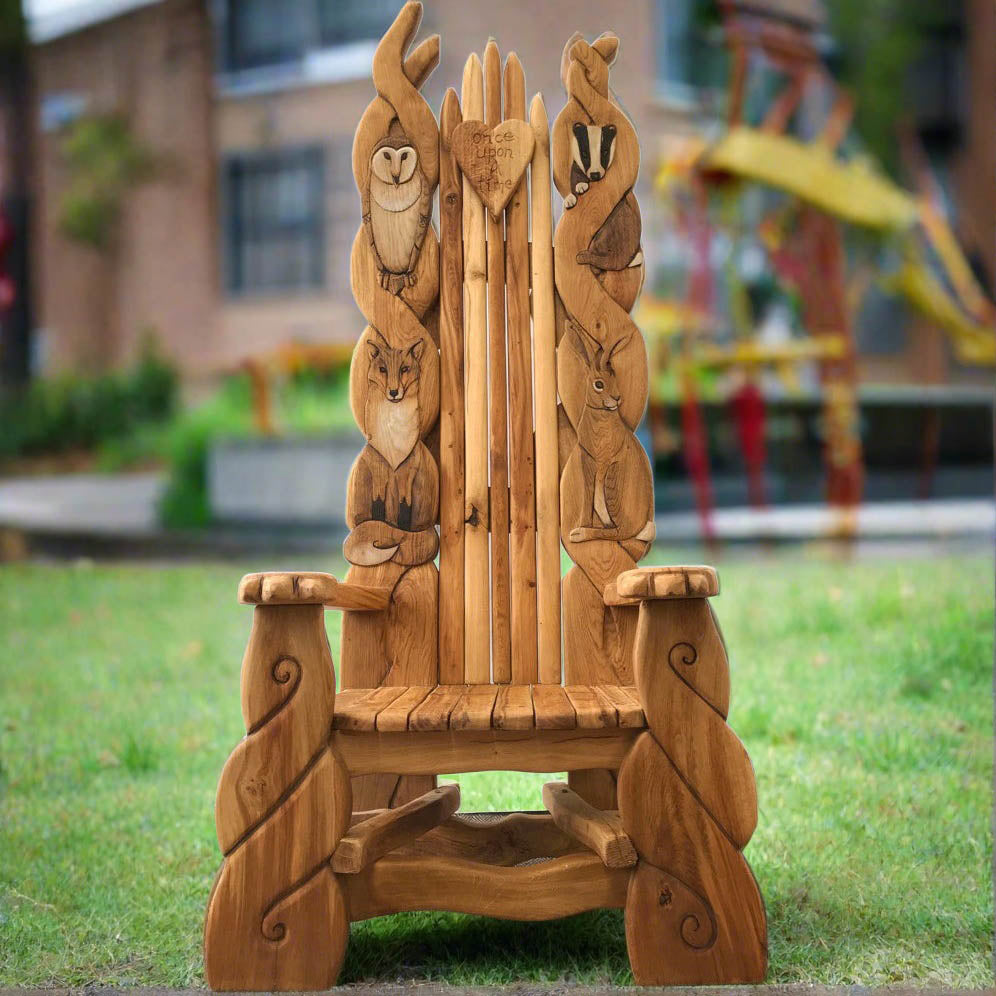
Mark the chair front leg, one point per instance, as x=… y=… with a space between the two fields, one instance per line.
x=694 y=914
x=276 y=919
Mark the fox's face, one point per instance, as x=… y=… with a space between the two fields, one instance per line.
x=393 y=371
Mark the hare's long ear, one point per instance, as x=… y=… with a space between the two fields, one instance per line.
x=606 y=45
x=565 y=59
x=578 y=338
x=620 y=344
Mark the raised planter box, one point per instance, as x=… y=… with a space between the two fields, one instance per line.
x=282 y=481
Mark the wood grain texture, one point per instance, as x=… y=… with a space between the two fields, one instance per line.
x=628 y=708
x=552 y=708
x=310 y=588
x=283 y=804
x=547 y=432
x=358 y=708
x=371 y=839
x=433 y=713
x=394 y=717
x=495 y=839
x=601 y=832
x=477 y=587
x=513 y=708
x=388 y=790
x=474 y=708
x=545 y=891
x=493 y=157
x=451 y=402
x=393 y=490
x=596 y=786
x=606 y=487
x=598 y=640
x=593 y=711
x=501 y=650
x=694 y=914
x=668 y=582
x=446 y=752
x=396 y=646
x=392 y=497
x=521 y=461
x=683 y=680
x=391 y=708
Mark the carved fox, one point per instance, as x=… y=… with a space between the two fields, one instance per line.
x=618 y=500
x=394 y=479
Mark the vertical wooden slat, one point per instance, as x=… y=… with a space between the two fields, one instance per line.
x=545 y=363
x=522 y=497
x=477 y=663
x=501 y=667
x=451 y=402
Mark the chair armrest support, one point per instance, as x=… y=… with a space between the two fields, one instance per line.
x=389 y=829
x=647 y=583
x=311 y=588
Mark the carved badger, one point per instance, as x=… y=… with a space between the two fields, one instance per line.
x=592 y=150
x=616 y=245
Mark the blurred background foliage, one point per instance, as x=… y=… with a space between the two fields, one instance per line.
x=879 y=47
x=105 y=161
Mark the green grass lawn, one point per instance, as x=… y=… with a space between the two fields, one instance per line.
x=862 y=691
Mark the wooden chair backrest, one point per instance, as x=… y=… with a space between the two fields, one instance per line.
x=457 y=390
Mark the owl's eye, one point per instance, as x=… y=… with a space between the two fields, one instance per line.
x=598 y=385
x=383 y=370
x=387 y=155
x=405 y=370
x=404 y=156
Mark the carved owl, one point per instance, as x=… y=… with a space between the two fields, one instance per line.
x=399 y=208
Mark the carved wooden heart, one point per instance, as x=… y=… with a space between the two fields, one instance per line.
x=493 y=159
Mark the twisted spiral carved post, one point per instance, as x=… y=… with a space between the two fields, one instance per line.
x=606 y=485
x=276 y=918
x=393 y=491
x=694 y=914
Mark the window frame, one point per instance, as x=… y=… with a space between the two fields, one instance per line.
x=313 y=228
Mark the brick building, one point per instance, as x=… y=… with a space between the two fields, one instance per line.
x=240 y=242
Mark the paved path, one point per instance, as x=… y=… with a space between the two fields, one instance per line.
x=118 y=505
x=935 y=519
x=123 y=506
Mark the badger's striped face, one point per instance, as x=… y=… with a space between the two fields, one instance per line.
x=593 y=147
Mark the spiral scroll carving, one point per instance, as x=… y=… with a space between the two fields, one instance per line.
x=693 y=912
x=285 y=670
x=283 y=803
x=682 y=653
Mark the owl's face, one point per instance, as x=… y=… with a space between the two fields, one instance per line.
x=394 y=166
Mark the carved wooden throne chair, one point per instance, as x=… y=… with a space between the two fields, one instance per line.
x=498 y=383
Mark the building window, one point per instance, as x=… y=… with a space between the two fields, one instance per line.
x=341 y=22
x=690 y=54
x=274 y=221
x=261 y=33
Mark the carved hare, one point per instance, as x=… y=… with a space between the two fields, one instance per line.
x=618 y=499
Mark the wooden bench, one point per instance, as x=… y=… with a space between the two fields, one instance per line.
x=498 y=382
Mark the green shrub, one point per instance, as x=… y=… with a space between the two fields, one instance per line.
x=310 y=402
x=71 y=412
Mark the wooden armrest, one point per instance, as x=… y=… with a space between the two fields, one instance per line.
x=598 y=830
x=279 y=588
x=389 y=829
x=642 y=583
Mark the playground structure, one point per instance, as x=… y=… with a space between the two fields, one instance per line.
x=804 y=241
